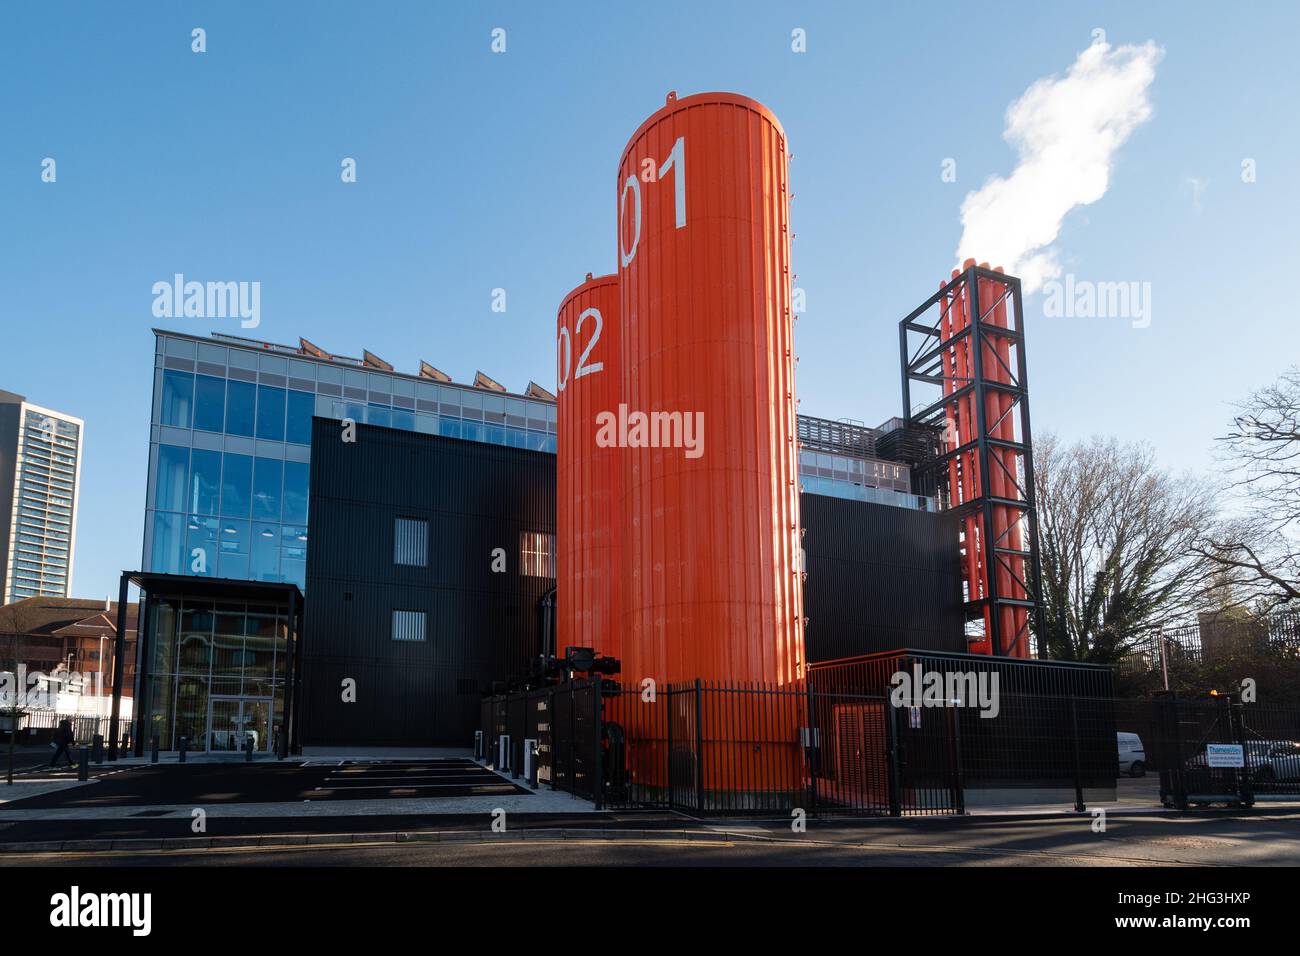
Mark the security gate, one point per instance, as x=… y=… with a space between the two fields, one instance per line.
x=1221 y=750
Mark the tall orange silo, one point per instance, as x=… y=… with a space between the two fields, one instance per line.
x=587 y=472
x=711 y=552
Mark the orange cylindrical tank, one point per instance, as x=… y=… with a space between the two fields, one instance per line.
x=712 y=586
x=587 y=473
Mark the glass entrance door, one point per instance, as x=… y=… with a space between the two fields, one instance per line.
x=232 y=720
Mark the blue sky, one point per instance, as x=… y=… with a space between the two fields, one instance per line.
x=478 y=171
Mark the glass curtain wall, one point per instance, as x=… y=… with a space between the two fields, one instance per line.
x=218 y=673
x=232 y=440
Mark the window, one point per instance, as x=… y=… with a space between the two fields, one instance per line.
x=301 y=407
x=296 y=491
x=408 y=625
x=270 y=413
x=241 y=398
x=411 y=542
x=177 y=398
x=205 y=482
x=209 y=403
x=268 y=478
x=169 y=487
x=264 y=562
x=537 y=554
x=236 y=484
x=202 y=545
x=168 y=553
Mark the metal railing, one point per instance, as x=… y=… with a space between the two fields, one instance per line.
x=1203 y=643
x=1194 y=742
x=714 y=749
x=84 y=727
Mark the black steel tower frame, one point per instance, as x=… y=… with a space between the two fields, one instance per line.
x=925 y=364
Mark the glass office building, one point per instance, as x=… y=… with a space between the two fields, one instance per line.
x=40 y=479
x=230 y=445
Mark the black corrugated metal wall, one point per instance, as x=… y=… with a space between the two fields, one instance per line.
x=481 y=625
x=879 y=578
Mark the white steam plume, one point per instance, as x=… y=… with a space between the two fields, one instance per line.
x=1066 y=131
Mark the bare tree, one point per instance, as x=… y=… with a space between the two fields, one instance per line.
x=1258 y=549
x=1115 y=537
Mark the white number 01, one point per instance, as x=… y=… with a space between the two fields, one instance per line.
x=676 y=161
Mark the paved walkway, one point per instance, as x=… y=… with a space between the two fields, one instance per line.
x=409 y=783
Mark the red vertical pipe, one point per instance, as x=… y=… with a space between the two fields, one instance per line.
x=1010 y=568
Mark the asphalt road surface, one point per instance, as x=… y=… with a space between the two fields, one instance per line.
x=1154 y=841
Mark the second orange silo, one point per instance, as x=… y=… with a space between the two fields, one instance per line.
x=587 y=478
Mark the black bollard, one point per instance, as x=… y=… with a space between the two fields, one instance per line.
x=182 y=746
x=97 y=748
x=83 y=765
x=248 y=748
x=153 y=749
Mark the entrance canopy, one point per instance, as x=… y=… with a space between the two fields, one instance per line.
x=218 y=663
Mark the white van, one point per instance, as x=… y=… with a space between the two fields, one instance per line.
x=1132 y=758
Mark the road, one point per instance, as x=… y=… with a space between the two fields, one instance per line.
x=1268 y=840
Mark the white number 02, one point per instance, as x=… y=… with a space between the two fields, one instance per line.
x=565 y=349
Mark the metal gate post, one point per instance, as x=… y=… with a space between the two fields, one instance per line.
x=895 y=786
x=814 y=748
x=553 y=732
x=598 y=773
x=1079 y=806
x=1237 y=724
x=699 y=745
x=959 y=777
x=1180 y=780
x=668 y=779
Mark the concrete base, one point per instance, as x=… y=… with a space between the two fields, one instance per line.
x=1038 y=796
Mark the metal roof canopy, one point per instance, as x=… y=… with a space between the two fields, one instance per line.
x=156 y=584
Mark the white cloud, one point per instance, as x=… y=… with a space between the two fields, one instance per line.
x=1066 y=131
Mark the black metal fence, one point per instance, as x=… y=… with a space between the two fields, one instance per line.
x=37 y=726
x=1210 y=640
x=1217 y=749
x=711 y=749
